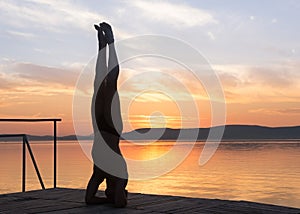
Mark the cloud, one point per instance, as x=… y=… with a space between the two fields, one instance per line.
x=281 y=52
x=30 y=90
x=211 y=35
x=231 y=75
x=43 y=51
x=156 y=84
x=229 y=80
x=279 y=75
x=283 y=75
x=47 y=14
x=160 y=119
x=21 y=34
x=282 y=111
x=178 y=15
x=29 y=78
x=276 y=82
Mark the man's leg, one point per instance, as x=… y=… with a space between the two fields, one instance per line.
x=99 y=83
x=119 y=184
x=116 y=192
x=92 y=188
x=113 y=108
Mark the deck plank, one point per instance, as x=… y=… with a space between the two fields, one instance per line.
x=63 y=200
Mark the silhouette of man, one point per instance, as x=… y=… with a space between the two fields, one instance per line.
x=107 y=125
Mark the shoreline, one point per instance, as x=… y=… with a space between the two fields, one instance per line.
x=41 y=138
x=162 y=140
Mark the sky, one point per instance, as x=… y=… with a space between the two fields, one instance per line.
x=252 y=46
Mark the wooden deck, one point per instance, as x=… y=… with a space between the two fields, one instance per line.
x=63 y=200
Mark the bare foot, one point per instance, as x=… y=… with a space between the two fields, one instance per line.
x=101 y=38
x=108 y=32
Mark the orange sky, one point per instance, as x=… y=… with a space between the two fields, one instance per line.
x=261 y=100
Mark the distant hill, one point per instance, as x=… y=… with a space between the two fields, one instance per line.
x=232 y=132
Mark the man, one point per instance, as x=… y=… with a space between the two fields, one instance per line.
x=109 y=163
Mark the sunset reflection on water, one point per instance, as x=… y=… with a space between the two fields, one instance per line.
x=267 y=172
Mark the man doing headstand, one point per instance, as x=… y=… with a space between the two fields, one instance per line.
x=107 y=125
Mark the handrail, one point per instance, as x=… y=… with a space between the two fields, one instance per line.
x=25 y=142
x=30 y=120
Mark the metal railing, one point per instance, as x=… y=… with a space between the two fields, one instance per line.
x=26 y=144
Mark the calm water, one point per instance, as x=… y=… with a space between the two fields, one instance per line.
x=267 y=172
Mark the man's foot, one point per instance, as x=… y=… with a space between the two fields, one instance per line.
x=108 y=32
x=101 y=38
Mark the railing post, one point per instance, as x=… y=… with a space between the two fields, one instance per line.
x=34 y=163
x=55 y=155
x=23 y=164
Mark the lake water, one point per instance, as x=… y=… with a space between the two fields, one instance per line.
x=267 y=172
